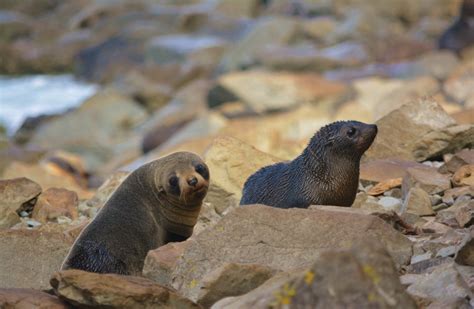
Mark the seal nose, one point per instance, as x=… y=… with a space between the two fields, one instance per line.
x=192 y=181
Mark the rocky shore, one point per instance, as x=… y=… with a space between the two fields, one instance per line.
x=244 y=84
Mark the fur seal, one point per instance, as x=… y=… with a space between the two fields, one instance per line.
x=460 y=34
x=326 y=173
x=156 y=204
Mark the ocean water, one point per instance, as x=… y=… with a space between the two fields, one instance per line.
x=25 y=96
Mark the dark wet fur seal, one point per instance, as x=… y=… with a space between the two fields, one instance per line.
x=460 y=34
x=156 y=204
x=326 y=173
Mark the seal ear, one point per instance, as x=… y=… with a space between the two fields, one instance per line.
x=161 y=189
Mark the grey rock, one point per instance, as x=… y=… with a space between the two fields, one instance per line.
x=370 y=279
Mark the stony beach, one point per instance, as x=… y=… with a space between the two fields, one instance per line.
x=244 y=84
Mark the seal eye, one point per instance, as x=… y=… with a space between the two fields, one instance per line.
x=173 y=181
x=201 y=169
x=351 y=132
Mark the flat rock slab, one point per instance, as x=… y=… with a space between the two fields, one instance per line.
x=114 y=291
x=29 y=257
x=29 y=298
x=363 y=277
x=283 y=239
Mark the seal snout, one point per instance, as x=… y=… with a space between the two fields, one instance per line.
x=192 y=181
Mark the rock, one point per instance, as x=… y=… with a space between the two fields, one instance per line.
x=318 y=27
x=106 y=189
x=390 y=203
x=461 y=213
x=282 y=90
x=418 y=202
x=384 y=186
x=465 y=255
x=273 y=233
x=13 y=26
x=419 y=138
x=232 y=162
x=16 y=195
x=380 y=170
x=160 y=262
x=370 y=279
x=114 y=291
x=67 y=163
x=428 y=179
x=372 y=90
x=178 y=48
x=203 y=127
x=463 y=157
x=438 y=64
x=232 y=279
x=444 y=283
x=47 y=176
x=188 y=103
x=267 y=31
x=29 y=298
x=246 y=8
x=108 y=114
x=460 y=83
x=54 y=203
x=29 y=257
x=464 y=116
x=409 y=92
x=464 y=176
x=103 y=61
x=309 y=58
x=452 y=194
x=148 y=93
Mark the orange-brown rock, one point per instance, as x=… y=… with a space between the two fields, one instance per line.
x=114 y=291
x=56 y=202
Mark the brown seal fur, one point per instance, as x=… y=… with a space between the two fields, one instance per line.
x=156 y=204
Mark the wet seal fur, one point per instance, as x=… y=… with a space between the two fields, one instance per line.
x=326 y=173
x=156 y=204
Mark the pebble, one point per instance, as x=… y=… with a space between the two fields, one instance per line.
x=390 y=203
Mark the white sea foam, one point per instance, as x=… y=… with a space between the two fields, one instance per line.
x=22 y=97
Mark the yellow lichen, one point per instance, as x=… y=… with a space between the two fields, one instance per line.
x=371 y=273
x=372 y=297
x=193 y=283
x=284 y=296
x=309 y=277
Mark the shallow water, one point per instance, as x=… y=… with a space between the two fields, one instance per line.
x=25 y=96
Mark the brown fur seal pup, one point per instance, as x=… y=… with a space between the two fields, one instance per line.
x=156 y=204
x=326 y=173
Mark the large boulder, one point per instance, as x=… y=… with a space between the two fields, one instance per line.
x=358 y=278
x=269 y=91
x=231 y=162
x=16 y=194
x=271 y=30
x=419 y=130
x=86 y=289
x=29 y=257
x=108 y=114
x=282 y=239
